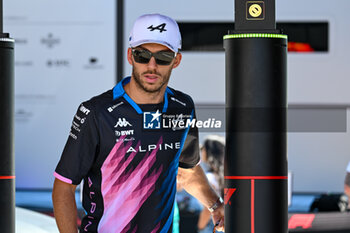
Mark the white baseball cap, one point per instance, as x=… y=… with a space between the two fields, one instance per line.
x=156 y=28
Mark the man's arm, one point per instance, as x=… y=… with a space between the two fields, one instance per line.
x=195 y=182
x=204 y=218
x=65 y=209
x=347 y=190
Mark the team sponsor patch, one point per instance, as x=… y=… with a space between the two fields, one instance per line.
x=152 y=120
x=122 y=122
x=78 y=121
x=110 y=109
x=178 y=101
x=84 y=110
x=124 y=132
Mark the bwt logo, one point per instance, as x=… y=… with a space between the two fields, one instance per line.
x=85 y=110
x=124 y=132
x=151 y=120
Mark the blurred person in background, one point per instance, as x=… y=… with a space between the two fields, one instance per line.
x=195 y=218
x=347 y=184
x=176 y=221
x=212 y=162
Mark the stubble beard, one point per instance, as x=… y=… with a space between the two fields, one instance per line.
x=150 y=88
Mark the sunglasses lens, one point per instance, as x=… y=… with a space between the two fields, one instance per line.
x=141 y=56
x=162 y=57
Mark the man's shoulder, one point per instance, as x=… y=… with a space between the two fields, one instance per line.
x=180 y=97
x=100 y=100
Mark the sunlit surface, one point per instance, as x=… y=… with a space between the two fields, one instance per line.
x=28 y=221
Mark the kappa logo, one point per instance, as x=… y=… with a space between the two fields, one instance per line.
x=122 y=122
x=160 y=27
x=151 y=120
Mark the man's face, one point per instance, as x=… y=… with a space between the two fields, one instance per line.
x=152 y=77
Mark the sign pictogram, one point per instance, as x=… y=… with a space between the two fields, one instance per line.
x=255 y=10
x=228 y=192
x=303 y=221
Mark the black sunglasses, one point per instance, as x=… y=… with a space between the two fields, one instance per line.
x=144 y=56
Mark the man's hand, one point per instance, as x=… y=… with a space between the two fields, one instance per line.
x=218 y=218
x=195 y=182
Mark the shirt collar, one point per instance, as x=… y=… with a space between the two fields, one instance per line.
x=119 y=91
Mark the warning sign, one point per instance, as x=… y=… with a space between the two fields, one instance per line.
x=255 y=10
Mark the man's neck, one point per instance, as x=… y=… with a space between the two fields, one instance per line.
x=140 y=96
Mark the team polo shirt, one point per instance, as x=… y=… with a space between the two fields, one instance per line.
x=128 y=156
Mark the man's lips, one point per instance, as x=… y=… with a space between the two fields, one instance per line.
x=151 y=78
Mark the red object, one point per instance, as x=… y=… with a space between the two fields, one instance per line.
x=228 y=194
x=299 y=47
x=252 y=206
x=7 y=177
x=301 y=220
x=256 y=177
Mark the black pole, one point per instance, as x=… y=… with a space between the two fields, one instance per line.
x=7 y=170
x=1 y=24
x=120 y=40
x=256 y=84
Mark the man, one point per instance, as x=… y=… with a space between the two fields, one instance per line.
x=347 y=184
x=123 y=147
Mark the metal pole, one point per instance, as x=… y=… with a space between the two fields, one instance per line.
x=1 y=24
x=7 y=170
x=256 y=85
x=120 y=40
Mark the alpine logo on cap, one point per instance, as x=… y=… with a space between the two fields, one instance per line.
x=160 y=27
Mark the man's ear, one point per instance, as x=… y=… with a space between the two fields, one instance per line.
x=177 y=60
x=130 y=56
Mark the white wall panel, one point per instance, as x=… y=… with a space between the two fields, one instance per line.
x=64 y=54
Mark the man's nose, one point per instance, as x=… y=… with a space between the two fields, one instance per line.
x=152 y=64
